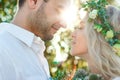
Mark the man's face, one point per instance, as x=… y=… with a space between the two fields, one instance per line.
x=47 y=20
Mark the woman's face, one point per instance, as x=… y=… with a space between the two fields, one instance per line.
x=79 y=42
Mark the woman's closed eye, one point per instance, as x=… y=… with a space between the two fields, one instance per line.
x=80 y=28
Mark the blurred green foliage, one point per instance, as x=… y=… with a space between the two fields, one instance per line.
x=7 y=10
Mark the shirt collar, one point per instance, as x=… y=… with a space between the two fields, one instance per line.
x=24 y=35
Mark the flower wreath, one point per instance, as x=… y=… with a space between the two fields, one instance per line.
x=96 y=9
x=82 y=74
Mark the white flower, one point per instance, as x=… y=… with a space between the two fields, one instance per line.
x=110 y=34
x=93 y=14
x=96 y=1
x=116 y=48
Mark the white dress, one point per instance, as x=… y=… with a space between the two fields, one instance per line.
x=117 y=78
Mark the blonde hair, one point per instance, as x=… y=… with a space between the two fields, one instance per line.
x=101 y=53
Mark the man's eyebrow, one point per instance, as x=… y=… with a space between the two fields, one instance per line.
x=62 y=6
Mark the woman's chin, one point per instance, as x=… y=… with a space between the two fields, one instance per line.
x=77 y=54
x=74 y=54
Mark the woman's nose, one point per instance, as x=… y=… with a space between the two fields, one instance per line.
x=73 y=34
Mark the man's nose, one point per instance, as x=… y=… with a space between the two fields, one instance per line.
x=63 y=24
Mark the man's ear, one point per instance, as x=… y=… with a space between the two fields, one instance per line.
x=32 y=3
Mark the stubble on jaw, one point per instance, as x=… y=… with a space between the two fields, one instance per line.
x=39 y=24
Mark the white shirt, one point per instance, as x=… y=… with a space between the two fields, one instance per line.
x=117 y=78
x=21 y=55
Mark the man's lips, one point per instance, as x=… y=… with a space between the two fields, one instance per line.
x=56 y=26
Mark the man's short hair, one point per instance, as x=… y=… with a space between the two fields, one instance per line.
x=21 y=2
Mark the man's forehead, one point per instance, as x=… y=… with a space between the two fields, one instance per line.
x=62 y=3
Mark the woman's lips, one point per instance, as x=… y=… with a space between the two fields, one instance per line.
x=73 y=42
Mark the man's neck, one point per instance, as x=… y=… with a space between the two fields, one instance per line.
x=20 y=19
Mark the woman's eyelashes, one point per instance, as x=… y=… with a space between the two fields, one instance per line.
x=80 y=28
